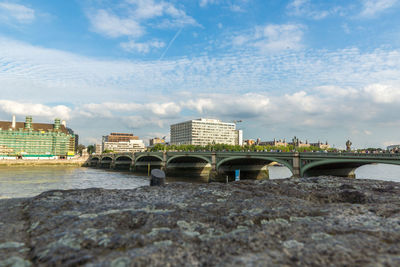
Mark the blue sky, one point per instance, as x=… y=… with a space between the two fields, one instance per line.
x=320 y=70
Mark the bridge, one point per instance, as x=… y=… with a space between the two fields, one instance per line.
x=252 y=165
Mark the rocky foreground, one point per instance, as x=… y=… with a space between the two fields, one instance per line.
x=310 y=221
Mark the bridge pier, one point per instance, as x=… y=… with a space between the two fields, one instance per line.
x=164 y=162
x=132 y=166
x=112 y=164
x=213 y=176
x=296 y=173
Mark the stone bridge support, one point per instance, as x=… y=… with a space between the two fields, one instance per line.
x=132 y=166
x=164 y=162
x=112 y=165
x=214 y=172
x=296 y=172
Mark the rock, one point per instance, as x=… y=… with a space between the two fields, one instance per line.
x=157 y=178
x=310 y=221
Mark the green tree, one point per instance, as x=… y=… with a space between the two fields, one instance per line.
x=90 y=149
x=79 y=149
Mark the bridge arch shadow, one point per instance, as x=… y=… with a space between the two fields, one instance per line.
x=340 y=167
x=94 y=161
x=193 y=166
x=106 y=162
x=123 y=162
x=146 y=163
x=250 y=167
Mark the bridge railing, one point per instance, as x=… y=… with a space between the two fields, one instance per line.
x=350 y=154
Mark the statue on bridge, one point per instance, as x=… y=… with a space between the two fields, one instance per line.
x=348 y=145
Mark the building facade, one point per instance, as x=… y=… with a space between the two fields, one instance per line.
x=122 y=142
x=205 y=131
x=121 y=147
x=98 y=149
x=120 y=137
x=36 y=139
x=156 y=140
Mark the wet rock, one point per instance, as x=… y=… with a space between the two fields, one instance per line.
x=310 y=221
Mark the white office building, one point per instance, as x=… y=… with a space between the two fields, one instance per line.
x=205 y=131
x=131 y=146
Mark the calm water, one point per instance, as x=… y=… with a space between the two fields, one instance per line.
x=27 y=182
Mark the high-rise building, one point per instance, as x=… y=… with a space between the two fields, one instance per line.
x=36 y=139
x=205 y=131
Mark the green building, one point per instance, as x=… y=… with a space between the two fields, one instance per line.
x=29 y=139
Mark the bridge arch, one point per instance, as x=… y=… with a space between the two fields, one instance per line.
x=123 y=158
x=251 y=167
x=271 y=159
x=208 y=160
x=106 y=161
x=339 y=167
x=94 y=161
x=147 y=157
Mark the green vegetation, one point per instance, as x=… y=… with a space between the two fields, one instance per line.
x=90 y=149
x=223 y=147
x=80 y=148
x=108 y=151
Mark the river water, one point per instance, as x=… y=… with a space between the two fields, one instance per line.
x=30 y=181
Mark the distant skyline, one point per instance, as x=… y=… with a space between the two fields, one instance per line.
x=318 y=70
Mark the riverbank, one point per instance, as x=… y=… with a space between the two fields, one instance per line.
x=309 y=221
x=43 y=162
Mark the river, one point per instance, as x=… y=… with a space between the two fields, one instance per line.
x=17 y=181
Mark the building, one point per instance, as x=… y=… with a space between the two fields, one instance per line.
x=394 y=148
x=119 y=137
x=28 y=139
x=122 y=142
x=156 y=140
x=120 y=147
x=205 y=131
x=98 y=149
x=295 y=142
x=274 y=143
x=249 y=142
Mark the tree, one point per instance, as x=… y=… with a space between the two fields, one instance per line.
x=90 y=149
x=79 y=149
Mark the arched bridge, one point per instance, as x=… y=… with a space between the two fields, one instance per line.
x=252 y=165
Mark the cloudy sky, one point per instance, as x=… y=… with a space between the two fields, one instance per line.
x=320 y=70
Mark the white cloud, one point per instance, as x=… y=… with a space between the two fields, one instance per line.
x=137 y=122
x=304 y=8
x=25 y=108
x=142 y=47
x=383 y=93
x=204 y=3
x=131 y=18
x=247 y=105
x=20 y=13
x=111 y=25
x=335 y=91
x=273 y=38
x=371 y=8
x=303 y=102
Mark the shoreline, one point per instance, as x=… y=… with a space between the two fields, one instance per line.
x=43 y=162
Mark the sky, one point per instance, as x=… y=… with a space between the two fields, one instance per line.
x=318 y=70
